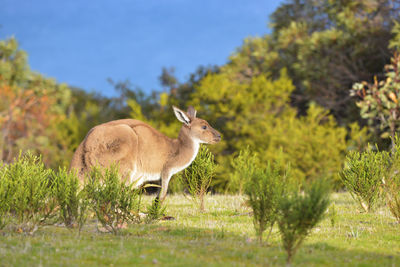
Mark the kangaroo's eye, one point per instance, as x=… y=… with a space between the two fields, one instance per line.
x=204 y=127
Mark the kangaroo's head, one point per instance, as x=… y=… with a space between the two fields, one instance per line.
x=198 y=129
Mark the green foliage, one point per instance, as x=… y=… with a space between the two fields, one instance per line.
x=71 y=200
x=26 y=193
x=329 y=45
x=114 y=202
x=380 y=101
x=392 y=187
x=333 y=215
x=264 y=188
x=243 y=166
x=199 y=174
x=154 y=211
x=31 y=109
x=363 y=175
x=392 y=182
x=5 y=186
x=257 y=114
x=395 y=42
x=299 y=213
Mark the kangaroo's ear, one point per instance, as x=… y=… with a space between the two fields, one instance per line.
x=191 y=112
x=181 y=115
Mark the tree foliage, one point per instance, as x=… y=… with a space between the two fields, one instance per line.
x=379 y=101
x=31 y=108
x=258 y=114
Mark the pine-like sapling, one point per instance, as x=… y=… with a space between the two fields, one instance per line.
x=393 y=196
x=363 y=175
x=114 y=202
x=31 y=202
x=5 y=185
x=154 y=211
x=299 y=212
x=243 y=165
x=392 y=182
x=263 y=188
x=199 y=174
x=69 y=196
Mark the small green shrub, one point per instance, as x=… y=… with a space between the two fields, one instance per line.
x=264 y=188
x=363 y=174
x=199 y=174
x=28 y=192
x=154 y=211
x=299 y=212
x=71 y=200
x=392 y=187
x=243 y=167
x=5 y=185
x=392 y=181
x=114 y=202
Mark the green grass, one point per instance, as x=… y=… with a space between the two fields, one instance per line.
x=222 y=236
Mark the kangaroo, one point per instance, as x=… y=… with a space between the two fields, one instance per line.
x=143 y=153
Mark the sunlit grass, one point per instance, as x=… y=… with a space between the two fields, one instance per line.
x=221 y=236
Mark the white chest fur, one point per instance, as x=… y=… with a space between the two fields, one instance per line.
x=196 y=146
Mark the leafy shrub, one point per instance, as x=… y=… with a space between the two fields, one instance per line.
x=199 y=174
x=363 y=174
x=154 y=211
x=72 y=202
x=264 y=187
x=299 y=212
x=26 y=187
x=114 y=202
x=392 y=183
x=4 y=196
x=393 y=196
x=243 y=167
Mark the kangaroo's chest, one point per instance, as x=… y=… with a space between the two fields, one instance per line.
x=185 y=161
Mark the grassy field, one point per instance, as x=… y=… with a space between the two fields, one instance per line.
x=222 y=236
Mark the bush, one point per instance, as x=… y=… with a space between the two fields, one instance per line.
x=4 y=196
x=264 y=187
x=114 y=202
x=72 y=202
x=26 y=193
x=392 y=183
x=363 y=174
x=243 y=168
x=199 y=174
x=154 y=211
x=393 y=196
x=299 y=212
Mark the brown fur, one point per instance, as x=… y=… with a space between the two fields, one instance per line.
x=140 y=149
